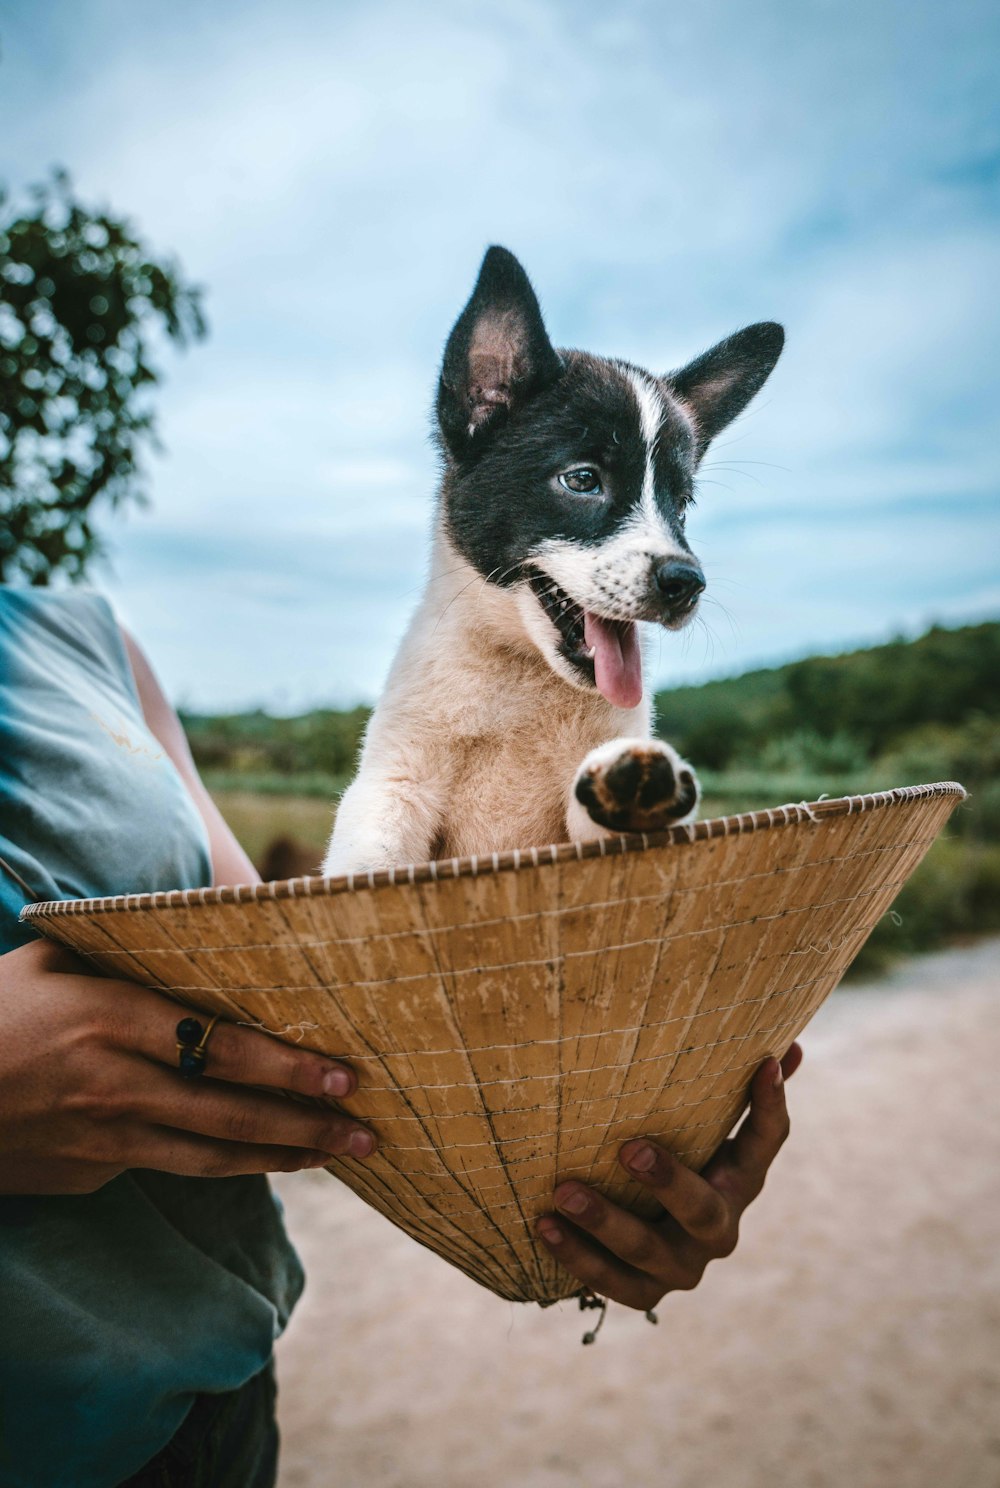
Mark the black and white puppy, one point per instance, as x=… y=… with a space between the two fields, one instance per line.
x=516 y=713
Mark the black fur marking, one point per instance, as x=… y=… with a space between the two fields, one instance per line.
x=586 y=794
x=658 y=786
x=720 y=383
x=637 y=792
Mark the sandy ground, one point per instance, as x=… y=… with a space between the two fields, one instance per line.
x=853 y=1340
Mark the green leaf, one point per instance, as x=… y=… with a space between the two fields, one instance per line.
x=82 y=301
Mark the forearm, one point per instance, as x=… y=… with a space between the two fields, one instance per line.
x=230 y=864
x=385 y=818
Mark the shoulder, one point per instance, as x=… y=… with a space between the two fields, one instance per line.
x=65 y=629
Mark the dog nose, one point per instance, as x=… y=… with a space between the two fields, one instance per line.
x=679 y=583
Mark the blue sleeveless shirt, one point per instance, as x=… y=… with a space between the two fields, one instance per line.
x=117 y=1307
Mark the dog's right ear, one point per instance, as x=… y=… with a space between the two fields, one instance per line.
x=497 y=357
x=719 y=384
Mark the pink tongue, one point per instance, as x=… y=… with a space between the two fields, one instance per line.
x=617 y=662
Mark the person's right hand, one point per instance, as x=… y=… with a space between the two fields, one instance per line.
x=89 y=1087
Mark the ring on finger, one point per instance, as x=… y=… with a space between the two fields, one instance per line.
x=192 y=1046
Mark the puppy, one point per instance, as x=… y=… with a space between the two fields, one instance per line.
x=516 y=713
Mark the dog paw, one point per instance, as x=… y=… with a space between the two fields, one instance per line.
x=636 y=785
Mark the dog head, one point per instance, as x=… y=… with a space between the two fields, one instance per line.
x=568 y=476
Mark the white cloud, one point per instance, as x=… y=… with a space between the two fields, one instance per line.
x=334 y=172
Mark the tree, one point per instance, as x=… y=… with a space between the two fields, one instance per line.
x=82 y=301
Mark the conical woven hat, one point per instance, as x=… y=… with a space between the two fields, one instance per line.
x=513 y=1020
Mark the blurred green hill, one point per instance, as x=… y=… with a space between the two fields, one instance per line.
x=896 y=714
x=908 y=711
x=839 y=711
x=314 y=753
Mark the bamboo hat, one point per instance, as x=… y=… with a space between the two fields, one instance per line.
x=514 y=1019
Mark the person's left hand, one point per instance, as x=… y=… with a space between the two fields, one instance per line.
x=636 y=1261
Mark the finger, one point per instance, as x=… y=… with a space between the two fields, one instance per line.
x=701 y=1211
x=211 y=1109
x=791 y=1060
x=245 y=1057
x=200 y=1157
x=643 y=1247
x=241 y=1056
x=739 y=1168
x=595 y=1268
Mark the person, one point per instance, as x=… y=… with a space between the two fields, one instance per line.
x=144 y=1267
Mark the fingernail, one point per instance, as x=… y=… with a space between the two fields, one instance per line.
x=550 y=1231
x=643 y=1159
x=777 y=1079
x=574 y=1202
x=336 y=1081
x=361 y=1144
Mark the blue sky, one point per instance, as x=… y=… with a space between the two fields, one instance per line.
x=332 y=172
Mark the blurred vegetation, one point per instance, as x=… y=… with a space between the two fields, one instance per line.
x=82 y=302
x=314 y=753
x=265 y=823
x=836 y=714
x=899 y=714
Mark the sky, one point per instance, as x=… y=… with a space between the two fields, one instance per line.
x=332 y=171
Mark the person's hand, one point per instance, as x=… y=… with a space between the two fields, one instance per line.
x=89 y=1087
x=636 y=1261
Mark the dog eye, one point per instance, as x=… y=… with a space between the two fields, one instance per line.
x=582 y=482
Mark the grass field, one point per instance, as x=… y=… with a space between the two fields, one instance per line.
x=259 y=817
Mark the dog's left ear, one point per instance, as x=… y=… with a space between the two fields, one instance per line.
x=719 y=384
x=498 y=356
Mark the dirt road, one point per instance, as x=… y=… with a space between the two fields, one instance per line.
x=853 y=1340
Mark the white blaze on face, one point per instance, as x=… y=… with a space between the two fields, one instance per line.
x=614 y=578
x=614 y=583
x=651 y=412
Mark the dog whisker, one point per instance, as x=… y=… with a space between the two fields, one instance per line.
x=733 y=624
x=728 y=582
x=448 y=573
x=708 y=649
x=474 y=580
x=767 y=464
x=733 y=467
x=498 y=576
x=704 y=481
